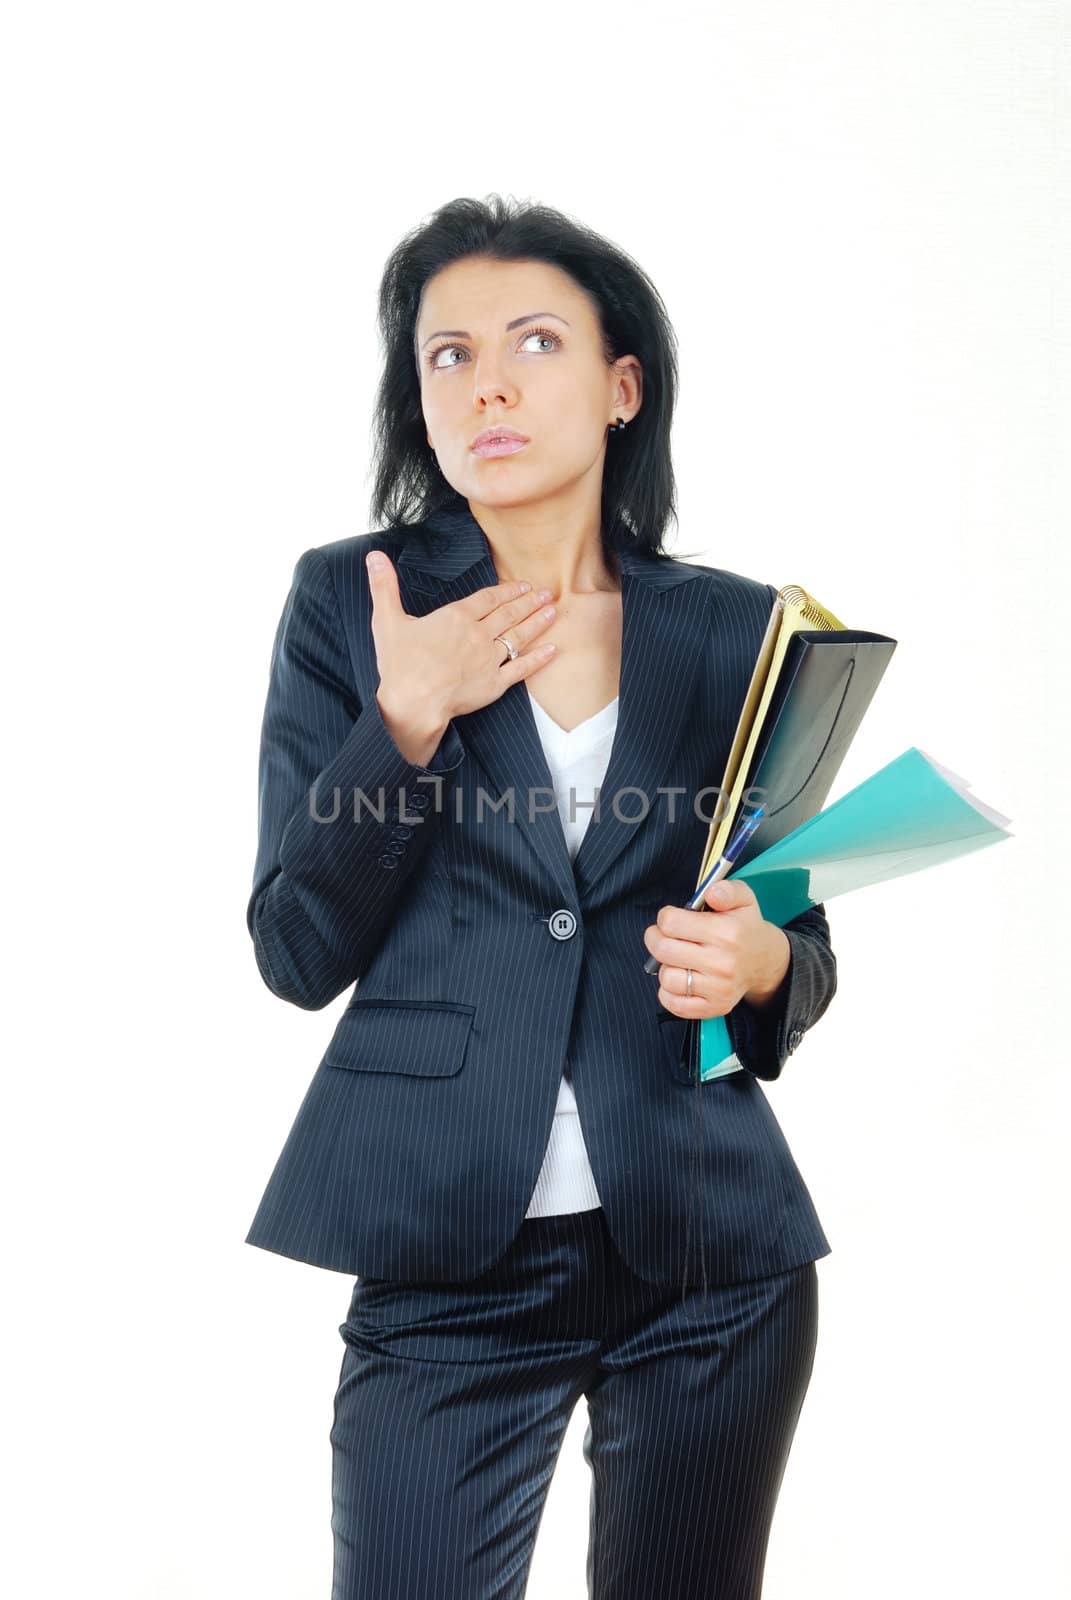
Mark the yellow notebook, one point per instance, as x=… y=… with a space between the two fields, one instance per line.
x=793 y=611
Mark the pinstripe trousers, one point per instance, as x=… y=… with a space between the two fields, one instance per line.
x=453 y=1399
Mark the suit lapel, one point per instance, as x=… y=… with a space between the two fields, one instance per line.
x=660 y=659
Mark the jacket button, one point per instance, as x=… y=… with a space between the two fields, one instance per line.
x=562 y=924
x=387 y=861
x=794 y=1038
x=400 y=832
x=418 y=802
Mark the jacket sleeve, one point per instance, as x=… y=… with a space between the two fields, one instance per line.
x=324 y=891
x=764 y=1039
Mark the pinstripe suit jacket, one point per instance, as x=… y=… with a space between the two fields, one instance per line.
x=417 y=1145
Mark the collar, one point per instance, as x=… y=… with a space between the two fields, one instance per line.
x=450 y=540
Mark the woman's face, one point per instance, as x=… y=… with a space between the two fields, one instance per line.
x=517 y=343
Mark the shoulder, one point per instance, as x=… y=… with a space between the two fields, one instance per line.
x=719 y=584
x=343 y=560
x=343 y=552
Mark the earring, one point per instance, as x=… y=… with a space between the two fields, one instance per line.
x=618 y=427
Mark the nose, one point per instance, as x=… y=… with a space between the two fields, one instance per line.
x=491 y=386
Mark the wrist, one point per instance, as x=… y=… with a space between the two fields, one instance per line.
x=415 y=728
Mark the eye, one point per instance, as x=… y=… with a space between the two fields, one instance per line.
x=541 y=333
x=533 y=333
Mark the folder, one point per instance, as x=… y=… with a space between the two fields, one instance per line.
x=810 y=687
x=912 y=814
x=812 y=684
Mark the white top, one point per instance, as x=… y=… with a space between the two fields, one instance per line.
x=577 y=761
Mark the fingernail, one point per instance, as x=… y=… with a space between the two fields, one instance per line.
x=376 y=559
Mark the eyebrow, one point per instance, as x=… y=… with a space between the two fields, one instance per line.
x=459 y=333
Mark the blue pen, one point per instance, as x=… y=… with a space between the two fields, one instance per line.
x=732 y=850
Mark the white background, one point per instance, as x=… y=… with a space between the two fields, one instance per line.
x=857 y=214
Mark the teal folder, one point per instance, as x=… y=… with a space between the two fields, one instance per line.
x=910 y=815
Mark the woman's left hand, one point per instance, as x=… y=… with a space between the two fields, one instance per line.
x=734 y=953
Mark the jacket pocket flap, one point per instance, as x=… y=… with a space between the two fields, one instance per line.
x=422 y=1038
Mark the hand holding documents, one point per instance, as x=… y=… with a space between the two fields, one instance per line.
x=812 y=684
x=721 y=869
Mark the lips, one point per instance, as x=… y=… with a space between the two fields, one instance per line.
x=498 y=442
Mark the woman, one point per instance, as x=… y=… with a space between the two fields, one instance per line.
x=490 y=744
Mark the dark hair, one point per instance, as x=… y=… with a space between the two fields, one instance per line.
x=638 y=488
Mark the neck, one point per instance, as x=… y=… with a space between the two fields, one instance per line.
x=565 y=561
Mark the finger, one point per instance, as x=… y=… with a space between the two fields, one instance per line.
x=673 y=982
x=727 y=894
x=527 y=663
x=712 y=994
x=482 y=601
x=382 y=582
x=531 y=604
x=693 y=1007
x=675 y=978
x=671 y=951
x=688 y=953
x=677 y=922
x=523 y=633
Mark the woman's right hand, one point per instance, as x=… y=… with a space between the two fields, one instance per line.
x=446 y=663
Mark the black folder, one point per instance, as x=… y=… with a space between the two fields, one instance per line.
x=826 y=682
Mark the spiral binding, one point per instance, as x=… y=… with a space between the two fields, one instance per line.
x=808 y=607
